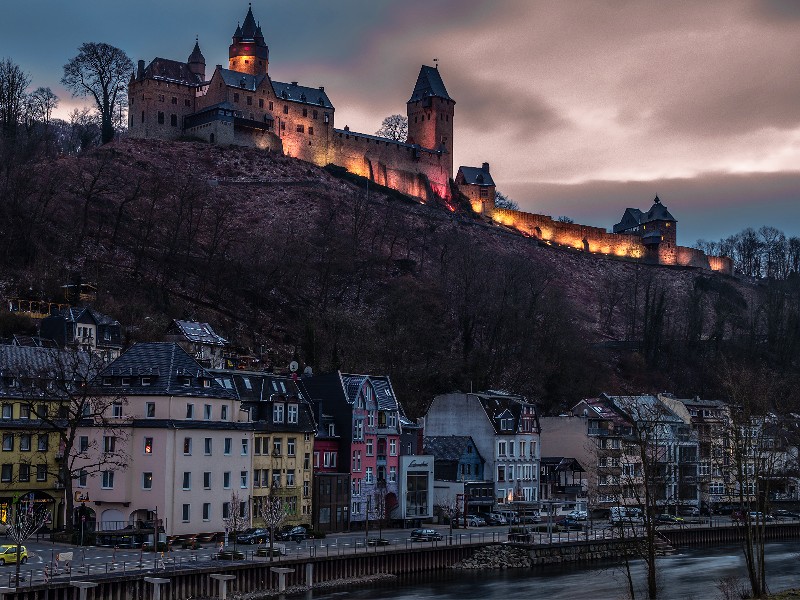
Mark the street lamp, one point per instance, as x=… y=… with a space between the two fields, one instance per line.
x=381 y=505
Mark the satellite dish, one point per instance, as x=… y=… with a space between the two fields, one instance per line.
x=293 y=366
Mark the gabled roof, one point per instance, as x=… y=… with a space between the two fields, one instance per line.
x=429 y=83
x=244 y=81
x=449 y=447
x=475 y=176
x=86 y=314
x=301 y=93
x=382 y=386
x=171 y=370
x=633 y=217
x=171 y=70
x=199 y=333
x=645 y=408
x=500 y=405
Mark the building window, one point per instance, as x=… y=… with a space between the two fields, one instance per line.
x=300 y=128
x=207 y=480
x=290 y=477
x=260 y=103
x=290 y=447
x=501 y=473
x=207 y=412
x=501 y=448
x=116 y=410
x=190 y=411
x=243 y=480
x=83 y=477
x=25 y=442
x=270 y=105
x=160 y=118
x=306 y=489
x=249 y=101
x=147 y=481
x=24 y=472
x=173 y=120
x=142 y=116
x=236 y=97
x=187 y=102
x=310 y=131
x=226 y=447
x=245 y=446
x=109 y=443
x=223 y=413
x=187 y=480
x=187 y=446
x=257 y=446
x=206 y=511
x=316 y=459
x=226 y=510
x=226 y=480
x=276 y=447
x=24 y=411
x=43 y=442
x=393 y=447
x=8 y=442
x=83 y=443
x=185 y=512
x=286 y=109
x=207 y=446
x=277 y=413
x=150 y=410
x=370 y=447
x=148 y=445
x=8 y=411
x=291 y=413
x=107 y=482
x=392 y=474
x=7 y=473
x=368 y=476
x=307 y=461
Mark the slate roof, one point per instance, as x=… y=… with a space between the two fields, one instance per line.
x=244 y=81
x=475 y=176
x=499 y=404
x=35 y=362
x=80 y=314
x=199 y=333
x=196 y=56
x=172 y=70
x=448 y=447
x=429 y=83
x=633 y=217
x=301 y=93
x=167 y=365
x=249 y=30
x=384 y=394
x=645 y=408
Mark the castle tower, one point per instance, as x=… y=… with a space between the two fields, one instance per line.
x=249 y=52
x=197 y=62
x=430 y=115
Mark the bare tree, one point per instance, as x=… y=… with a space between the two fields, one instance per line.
x=100 y=71
x=13 y=83
x=450 y=507
x=236 y=520
x=26 y=521
x=272 y=511
x=43 y=102
x=503 y=201
x=394 y=127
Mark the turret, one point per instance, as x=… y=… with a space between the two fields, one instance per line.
x=197 y=62
x=430 y=115
x=249 y=52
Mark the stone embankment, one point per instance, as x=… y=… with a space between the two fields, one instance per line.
x=335 y=584
x=496 y=557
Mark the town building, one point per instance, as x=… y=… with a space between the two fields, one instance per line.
x=201 y=341
x=283 y=428
x=505 y=430
x=459 y=479
x=186 y=445
x=364 y=411
x=86 y=329
x=477 y=185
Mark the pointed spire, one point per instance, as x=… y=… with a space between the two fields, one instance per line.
x=249 y=26
x=196 y=56
x=238 y=32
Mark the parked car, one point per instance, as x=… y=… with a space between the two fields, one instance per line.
x=297 y=534
x=570 y=523
x=531 y=518
x=254 y=535
x=375 y=541
x=8 y=554
x=786 y=514
x=496 y=519
x=475 y=521
x=669 y=519
x=578 y=515
x=754 y=516
x=689 y=511
x=425 y=535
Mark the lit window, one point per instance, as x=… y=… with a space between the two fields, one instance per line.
x=147 y=481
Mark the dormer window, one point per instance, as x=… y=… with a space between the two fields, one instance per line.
x=125 y=381
x=146 y=381
x=506 y=424
x=277 y=412
x=107 y=381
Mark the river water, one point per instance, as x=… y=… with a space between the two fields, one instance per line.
x=690 y=574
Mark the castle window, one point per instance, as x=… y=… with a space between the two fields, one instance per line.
x=249 y=101
x=236 y=97
x=415 y=119
x=300 y=129
x=142 y=116
x=286 y=109
x=314 y=114
x=484 y=192
x=160 y=118
x=161 y=97
x=173 y=120
x=187 y=102
x=283 y=125
x=305 y=112
x=325 y=118
x=260 y=103
x=270 y=105
x=174 y=100
x=310 y=131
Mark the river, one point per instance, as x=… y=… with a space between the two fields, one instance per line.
x=690 y=574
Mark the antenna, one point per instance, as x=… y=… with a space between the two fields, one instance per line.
x=436 y=62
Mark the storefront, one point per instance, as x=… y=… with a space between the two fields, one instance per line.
x=416 y=490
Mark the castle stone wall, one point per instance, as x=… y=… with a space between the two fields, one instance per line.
x=149 y=98
x=413 y=171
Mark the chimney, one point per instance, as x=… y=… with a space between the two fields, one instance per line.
x=294 y=83
x=485 y=167
x=140 y=70
x=322 y=88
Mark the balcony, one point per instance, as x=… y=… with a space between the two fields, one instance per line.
x=597 y=431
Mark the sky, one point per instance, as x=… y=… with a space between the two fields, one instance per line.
x=581 y=107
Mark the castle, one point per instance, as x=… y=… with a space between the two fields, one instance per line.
x=242 y=105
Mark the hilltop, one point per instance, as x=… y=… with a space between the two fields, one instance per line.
x=288 y=259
